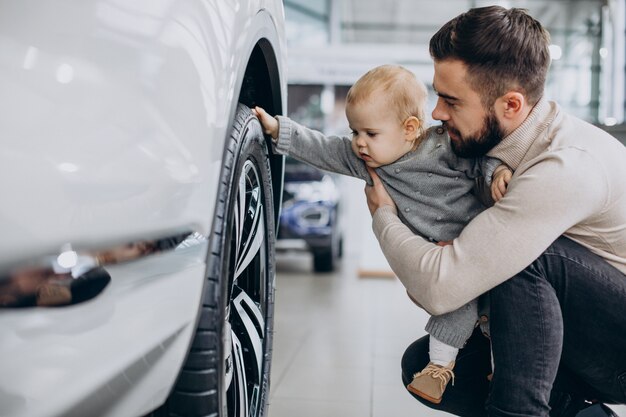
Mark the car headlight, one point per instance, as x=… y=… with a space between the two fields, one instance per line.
x=317 y=215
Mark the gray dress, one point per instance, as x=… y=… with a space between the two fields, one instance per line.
x=431 y=186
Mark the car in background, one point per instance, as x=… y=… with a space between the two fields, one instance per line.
x=309 y=219
x=140 y=205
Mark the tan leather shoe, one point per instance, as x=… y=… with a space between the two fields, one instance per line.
x=431 y=382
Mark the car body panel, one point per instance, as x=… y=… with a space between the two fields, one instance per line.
x=53 y=357
x=113 y=119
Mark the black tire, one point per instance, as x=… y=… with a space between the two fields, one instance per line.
x=324 y=261
x=327 y=259
x=340 y=250
x=226 y=372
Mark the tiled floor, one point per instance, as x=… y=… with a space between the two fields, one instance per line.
x=338 y=342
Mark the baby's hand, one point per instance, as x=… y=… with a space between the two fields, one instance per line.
x=501 y=177
x=269 y=123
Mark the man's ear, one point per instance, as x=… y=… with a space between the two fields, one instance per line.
x=411 y=128
x=512 y=105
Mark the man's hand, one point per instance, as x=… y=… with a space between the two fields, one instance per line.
x=269 y=123
x=500 y=181
x=377 y=195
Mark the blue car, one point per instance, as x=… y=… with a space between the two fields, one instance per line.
x=309 y=218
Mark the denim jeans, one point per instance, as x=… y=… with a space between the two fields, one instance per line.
x=558 y=331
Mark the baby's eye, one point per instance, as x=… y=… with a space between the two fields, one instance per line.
x=353 y=132
x=371 y=134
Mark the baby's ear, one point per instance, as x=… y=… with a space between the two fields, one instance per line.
x=411 y=128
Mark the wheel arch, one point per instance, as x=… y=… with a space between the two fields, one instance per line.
x=261 y=86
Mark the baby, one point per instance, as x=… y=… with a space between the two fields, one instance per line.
x=431 y=186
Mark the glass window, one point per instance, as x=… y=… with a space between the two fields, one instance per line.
x=586 y=75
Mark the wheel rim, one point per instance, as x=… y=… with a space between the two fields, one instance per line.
x=245 y=316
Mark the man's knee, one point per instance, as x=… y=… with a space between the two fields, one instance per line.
x=415 y=358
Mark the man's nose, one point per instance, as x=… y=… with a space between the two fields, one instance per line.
x=439 y=113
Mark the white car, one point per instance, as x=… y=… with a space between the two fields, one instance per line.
x=139 y=206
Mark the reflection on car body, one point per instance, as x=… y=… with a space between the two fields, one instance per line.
x=71 y=277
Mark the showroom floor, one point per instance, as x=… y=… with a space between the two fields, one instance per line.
x=338 y=342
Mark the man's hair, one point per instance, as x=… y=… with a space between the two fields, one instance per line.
x=406 y=95
x=503 y=50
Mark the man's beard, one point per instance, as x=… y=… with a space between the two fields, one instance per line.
x=477 y=145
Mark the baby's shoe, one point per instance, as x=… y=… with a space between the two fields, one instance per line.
x=431 y=382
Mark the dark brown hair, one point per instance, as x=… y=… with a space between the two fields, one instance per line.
x=503 y=49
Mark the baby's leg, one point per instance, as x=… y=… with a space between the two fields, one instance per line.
x=448 y=333
x=441 y=353
x=454 y=328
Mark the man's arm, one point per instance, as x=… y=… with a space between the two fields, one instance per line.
x=541 y=203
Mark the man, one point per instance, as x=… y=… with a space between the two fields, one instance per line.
x=551 y=253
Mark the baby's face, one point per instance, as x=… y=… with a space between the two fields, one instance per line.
x=378 y=136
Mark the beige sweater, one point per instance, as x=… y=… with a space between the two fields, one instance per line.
x=570 y=179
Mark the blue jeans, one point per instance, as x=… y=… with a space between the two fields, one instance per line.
x=558 y=331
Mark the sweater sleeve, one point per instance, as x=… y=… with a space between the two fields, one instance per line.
x=330 y=153
x=543 y=201
x=488 y=166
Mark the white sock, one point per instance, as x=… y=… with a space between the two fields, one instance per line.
x=441 y=353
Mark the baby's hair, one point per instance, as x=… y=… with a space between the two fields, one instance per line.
x=406 y=94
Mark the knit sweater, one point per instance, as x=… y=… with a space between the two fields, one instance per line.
x=431 y=186
x=569 y=179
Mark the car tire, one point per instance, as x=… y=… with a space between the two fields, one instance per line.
x=226 y=372
x=326 y=259
x=323 y=261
